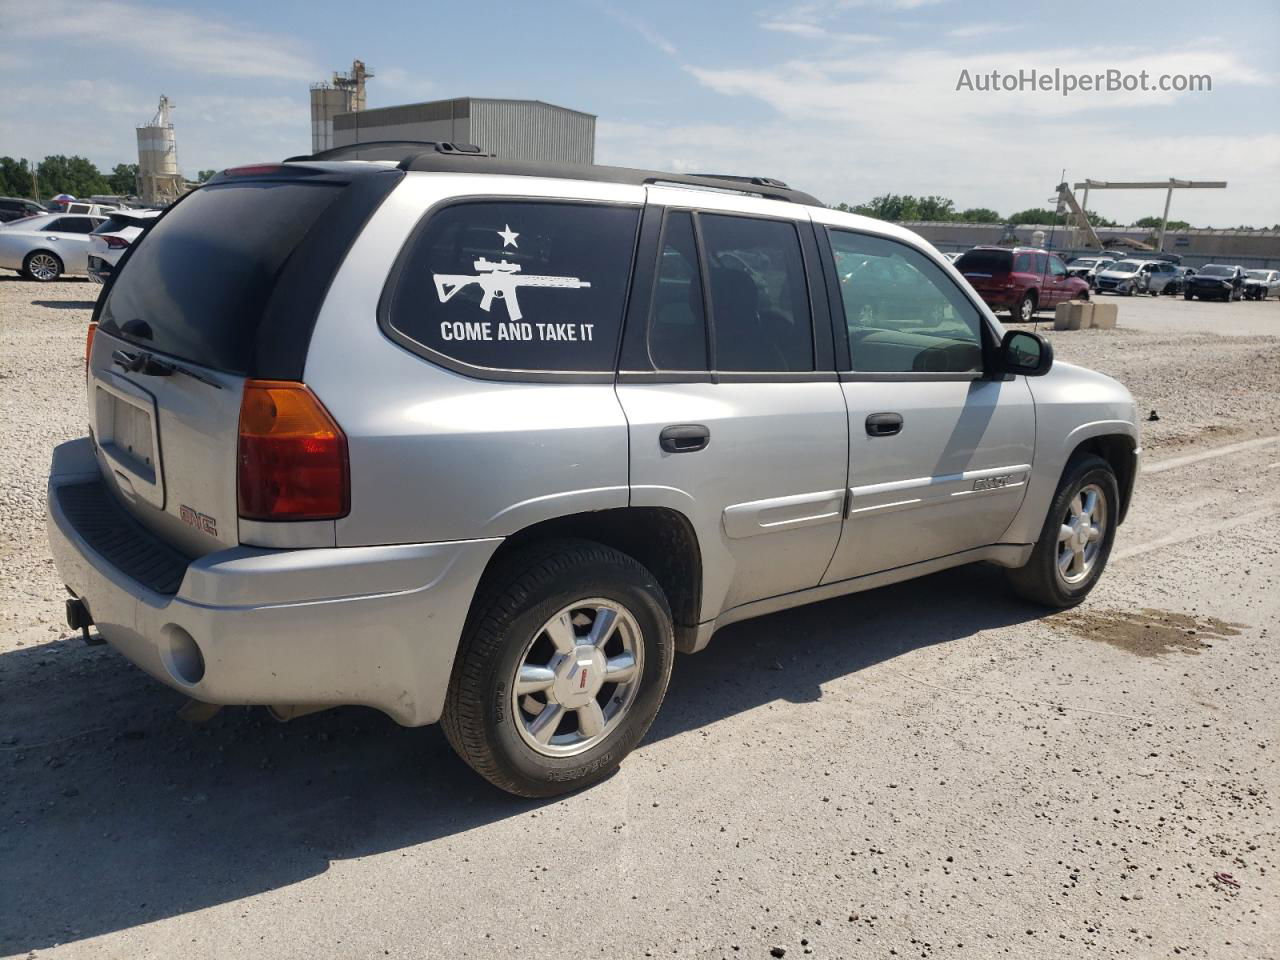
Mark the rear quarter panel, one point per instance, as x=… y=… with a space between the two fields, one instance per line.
x=436 y=455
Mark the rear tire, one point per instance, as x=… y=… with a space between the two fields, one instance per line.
x=1024 y=310
x=42 y=266
x=1051 y=576
x=540 y=607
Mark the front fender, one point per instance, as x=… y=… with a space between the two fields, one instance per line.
x=1073 y=406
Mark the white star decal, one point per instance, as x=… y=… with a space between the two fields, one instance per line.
x=508 y=236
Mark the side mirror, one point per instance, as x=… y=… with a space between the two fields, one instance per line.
x=1026 y=353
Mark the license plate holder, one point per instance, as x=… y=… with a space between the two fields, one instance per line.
x=128 y=439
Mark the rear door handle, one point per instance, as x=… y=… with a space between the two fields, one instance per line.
x=684 y=438
x=884 y=424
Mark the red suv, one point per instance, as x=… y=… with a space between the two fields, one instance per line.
x=1021 y=280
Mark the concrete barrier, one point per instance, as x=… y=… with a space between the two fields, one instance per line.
x=1105 y=315
x=1073 y=315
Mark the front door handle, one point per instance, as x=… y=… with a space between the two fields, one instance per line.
x=884 y=424
x=684 y=438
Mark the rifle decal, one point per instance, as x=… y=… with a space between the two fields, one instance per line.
x=499 y=281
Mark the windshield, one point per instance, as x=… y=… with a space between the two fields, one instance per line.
x=1082 y=263
x=1213 y=270
x=1258 y=274
x=1125 y=266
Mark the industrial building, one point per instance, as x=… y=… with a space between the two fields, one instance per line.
x=511 y=129
x=1249 y=248
x=343 y=94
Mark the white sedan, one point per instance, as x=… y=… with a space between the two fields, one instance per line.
x=108 y=242
x=46 y=247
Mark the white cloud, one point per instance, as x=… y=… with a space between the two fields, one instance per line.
x=849 y=128
x=813 y=31
x=170 y=37
x=980 y=30
x=401 y=85
x=645 y=30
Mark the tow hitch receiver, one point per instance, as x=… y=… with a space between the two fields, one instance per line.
x=78 y=619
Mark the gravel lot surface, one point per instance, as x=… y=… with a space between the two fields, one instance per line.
x=927 y=770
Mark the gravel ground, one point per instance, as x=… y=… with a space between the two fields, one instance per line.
x=929 y=770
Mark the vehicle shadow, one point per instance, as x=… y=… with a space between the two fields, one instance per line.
x=65 y=304
x=115 y=813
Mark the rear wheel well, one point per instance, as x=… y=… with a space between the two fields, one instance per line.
x=1117 y=450
x=661 y=539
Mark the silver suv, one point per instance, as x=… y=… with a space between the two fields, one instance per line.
x=485 y=442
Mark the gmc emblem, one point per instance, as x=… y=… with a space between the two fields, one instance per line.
x=201 y=521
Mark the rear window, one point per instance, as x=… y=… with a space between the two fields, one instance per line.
x=516 y=286
x=114 y=225
x=202 y=280
x=985 y=261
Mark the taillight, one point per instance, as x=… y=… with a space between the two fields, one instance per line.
x=88 y=343
x=116 y=243
x=292 y=458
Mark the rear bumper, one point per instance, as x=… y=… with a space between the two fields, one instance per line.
x=1000 y=298
x=376 y=626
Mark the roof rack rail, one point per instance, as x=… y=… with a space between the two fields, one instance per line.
x=395 y=150
x=438 y=161
x=757 y=181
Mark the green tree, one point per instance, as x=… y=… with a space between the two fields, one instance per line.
x=980 y=215
x=1036 y=215
x=73 y=175
x=1098 y=220
x=1154 y=223
x=15 y=178
x=205 y=175
x=124 y=179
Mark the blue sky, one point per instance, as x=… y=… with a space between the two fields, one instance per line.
x=845 y=98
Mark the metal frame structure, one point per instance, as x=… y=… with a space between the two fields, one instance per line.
x=1168 y=185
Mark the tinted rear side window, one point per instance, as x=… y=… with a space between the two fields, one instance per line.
x=985 y=261
x=202 y=280
x=516 y=286
x=677 y=321
x=759 y=296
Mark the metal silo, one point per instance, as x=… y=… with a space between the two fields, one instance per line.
x=159 y=181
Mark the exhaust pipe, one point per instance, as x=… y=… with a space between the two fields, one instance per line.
x=284 y=712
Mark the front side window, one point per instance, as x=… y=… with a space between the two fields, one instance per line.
x=759 y=297
x=1056 y=267
x=521 y=286
x=904 y=315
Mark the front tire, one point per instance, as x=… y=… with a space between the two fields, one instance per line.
x=1076 y=539
x=562 y=667
x=42 y=266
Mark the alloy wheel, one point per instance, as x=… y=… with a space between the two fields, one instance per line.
x=578 y=677
x=1081 y=534
x=43 y=266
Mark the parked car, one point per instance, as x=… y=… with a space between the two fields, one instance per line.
x=112 y=237
x=457 y=440
x=1020 y=280
x=1086 y=268
x=1129 y=277
x=47 y=246
x=17 y=208
x=1177 y=285
x=1216 y=281
x=1260 y=284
